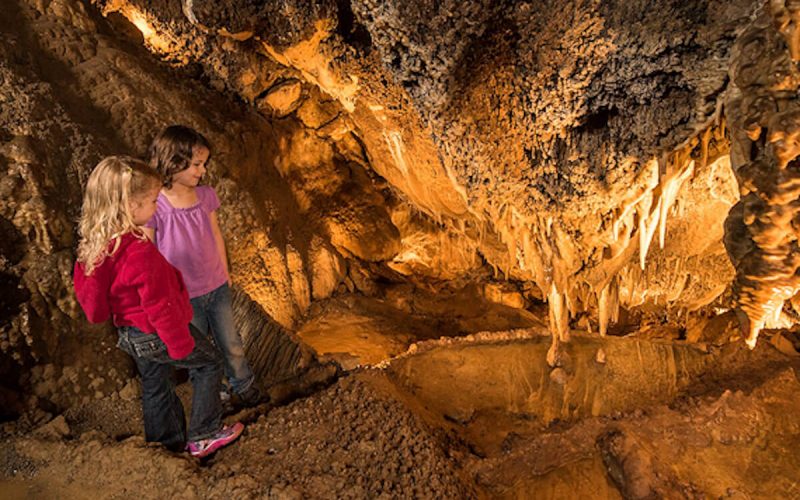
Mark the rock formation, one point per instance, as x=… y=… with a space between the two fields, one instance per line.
x=581 y=151
x=446 y=215
x=552 y=141
x=761 y=230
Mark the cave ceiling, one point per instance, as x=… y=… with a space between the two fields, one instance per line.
x=573 y=144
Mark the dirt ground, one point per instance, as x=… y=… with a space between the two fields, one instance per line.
x=351 y=440
x=726 y=428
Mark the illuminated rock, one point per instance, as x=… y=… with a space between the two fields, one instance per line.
x=764 y=113
x=283 y=99
x=577 y=150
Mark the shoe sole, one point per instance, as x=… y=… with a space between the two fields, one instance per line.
x=238 y=428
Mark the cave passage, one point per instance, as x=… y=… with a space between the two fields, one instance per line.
x=477 y=249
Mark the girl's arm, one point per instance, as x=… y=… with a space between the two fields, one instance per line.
x=220 y=243
x=162 y=296
x=92 y=292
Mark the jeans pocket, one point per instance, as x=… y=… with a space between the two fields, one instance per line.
x=124 y=344
x=150 y=347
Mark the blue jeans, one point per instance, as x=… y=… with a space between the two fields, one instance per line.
x=214 y=310
x=164 y=420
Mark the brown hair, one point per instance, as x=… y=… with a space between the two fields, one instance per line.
x=171 y=150
x=106 y=214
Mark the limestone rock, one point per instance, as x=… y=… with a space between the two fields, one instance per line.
x=503 y=294
x=336 y=129
x=299 y=281
x=282 y=99
x=600 y=357
x=551 y=152
x=314 y=113
x=131 y=391
x=327 y=269
x=558 y=376
x=54 y=429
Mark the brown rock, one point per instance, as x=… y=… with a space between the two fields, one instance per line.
x=315 y=113
x=282 y=99
x=54 y=429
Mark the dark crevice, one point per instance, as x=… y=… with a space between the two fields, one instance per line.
x=351 y=31
x=598 y=120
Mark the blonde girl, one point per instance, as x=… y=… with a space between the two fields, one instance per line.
x=120 y=275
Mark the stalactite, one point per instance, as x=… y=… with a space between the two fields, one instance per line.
x=603 y=309
x=538 y=245
x=532 y=246
x=764 y=117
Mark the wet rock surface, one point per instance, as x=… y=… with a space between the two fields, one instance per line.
x=715 y=445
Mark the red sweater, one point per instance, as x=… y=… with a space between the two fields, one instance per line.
x=137 y=287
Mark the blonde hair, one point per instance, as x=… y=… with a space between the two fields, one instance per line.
x=106 y=213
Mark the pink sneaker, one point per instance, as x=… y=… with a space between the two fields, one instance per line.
x=224 y=437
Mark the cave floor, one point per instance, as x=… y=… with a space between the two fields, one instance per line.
x=479 y=415
x=355 y=330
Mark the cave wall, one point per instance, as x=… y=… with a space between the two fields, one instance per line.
x=761 y=231
x=300 y=213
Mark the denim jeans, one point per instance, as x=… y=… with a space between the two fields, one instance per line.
x=164 y=419
x=214 y=311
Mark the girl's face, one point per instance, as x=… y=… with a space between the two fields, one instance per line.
x=144 y=206
x=191 y=175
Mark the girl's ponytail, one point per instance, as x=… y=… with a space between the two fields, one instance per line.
x=106 y=211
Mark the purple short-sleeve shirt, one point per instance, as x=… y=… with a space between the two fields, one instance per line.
x=184 y=237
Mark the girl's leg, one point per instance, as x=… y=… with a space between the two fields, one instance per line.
x=200 y=307
x=205 y=372
x=164 y=420
x=220 y=317
x=200 y=315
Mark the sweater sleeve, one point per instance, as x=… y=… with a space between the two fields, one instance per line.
x=161 y=294
x=92 y=293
